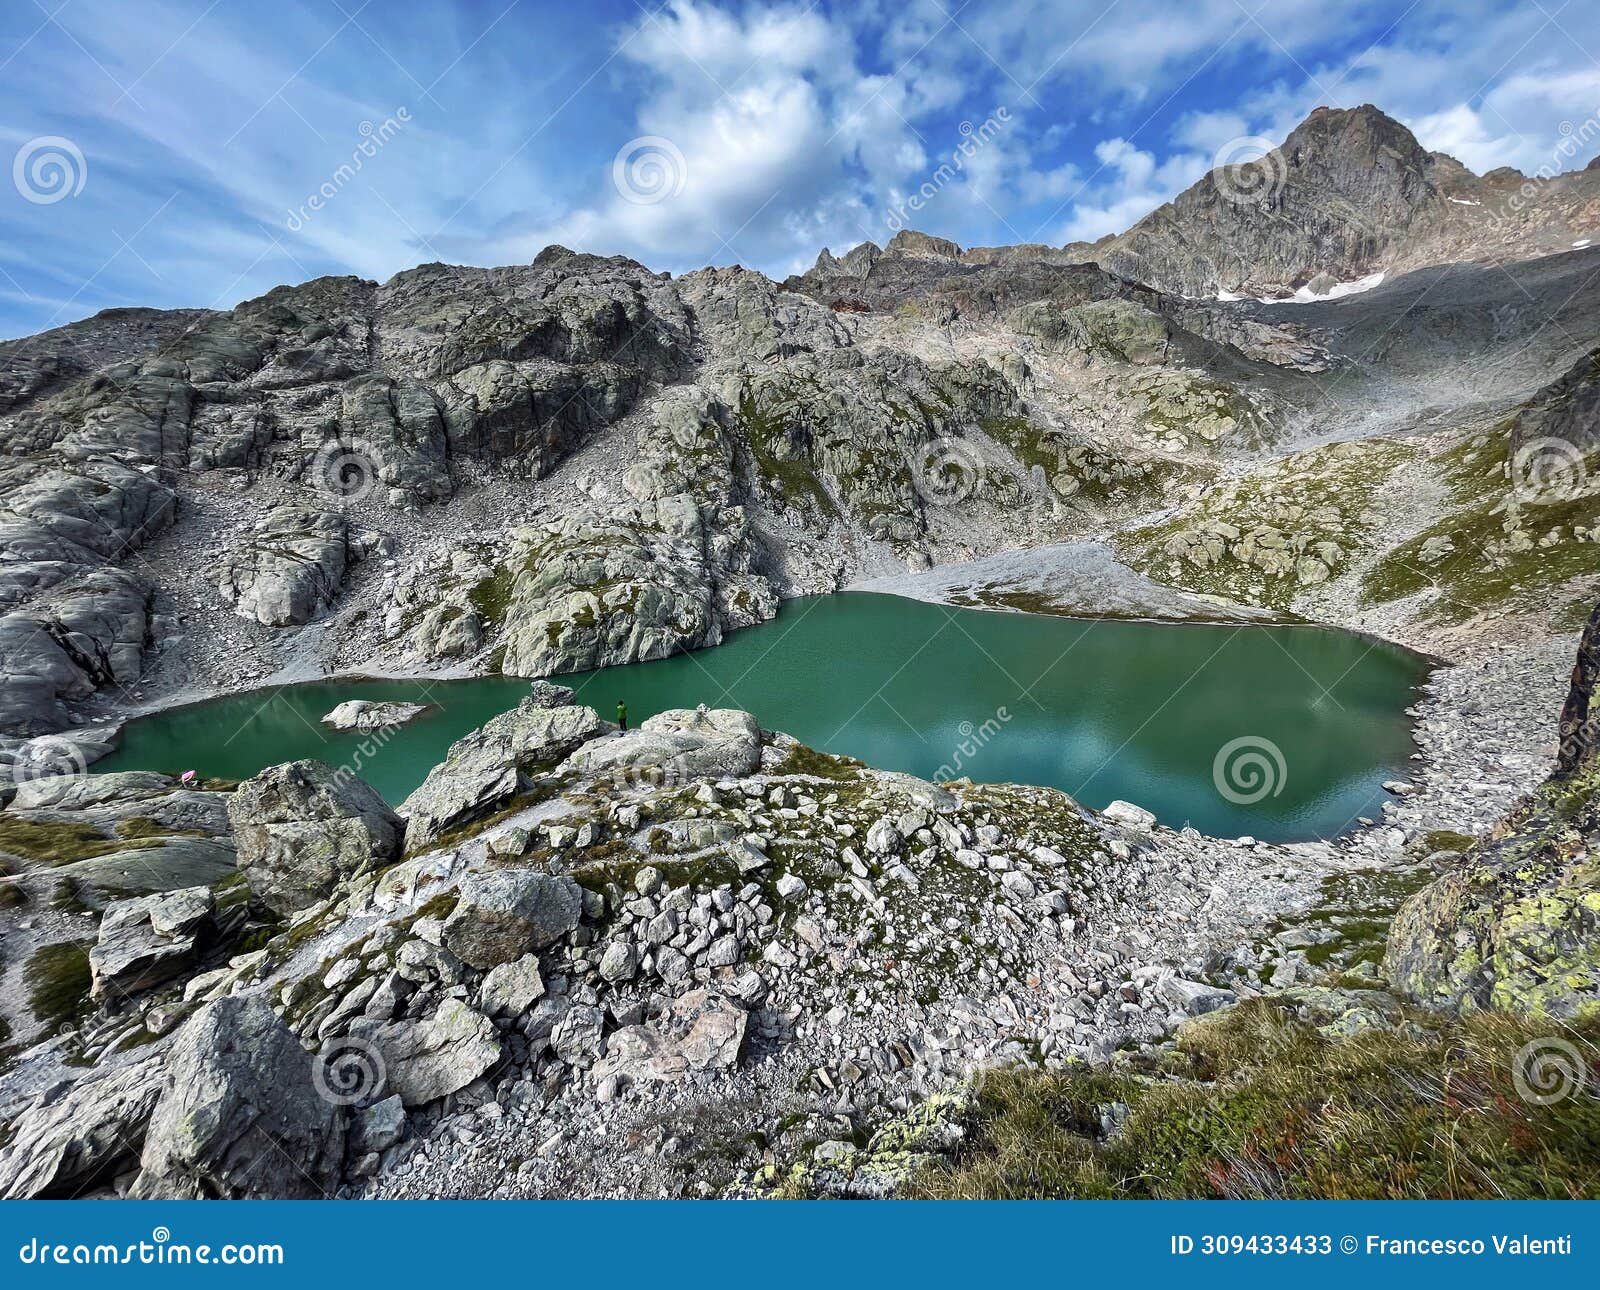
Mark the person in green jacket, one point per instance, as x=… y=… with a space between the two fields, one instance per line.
x=622 y=714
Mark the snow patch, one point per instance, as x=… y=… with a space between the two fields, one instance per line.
x=1305 y=296
x=1465 y=201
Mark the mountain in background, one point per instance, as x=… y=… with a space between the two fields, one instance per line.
x=1349 y=193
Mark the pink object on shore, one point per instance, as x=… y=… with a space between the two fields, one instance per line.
x=188 y=777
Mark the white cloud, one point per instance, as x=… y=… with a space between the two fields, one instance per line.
x=1128 y=186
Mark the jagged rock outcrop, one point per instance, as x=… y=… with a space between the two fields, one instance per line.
x=484 y=770
x=88 y=634
x=1515 y=925
x=148 y=940
x=75 y=1136
x=241 y=1115
x=304 y=828
x=1566 y=411
x=677 y=745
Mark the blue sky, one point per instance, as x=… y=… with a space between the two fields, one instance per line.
x=191 y=135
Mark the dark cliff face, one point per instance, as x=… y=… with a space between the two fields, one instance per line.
x=1579 y=736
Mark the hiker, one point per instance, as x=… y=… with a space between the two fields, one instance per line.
x=622 y=715
x=188 y=779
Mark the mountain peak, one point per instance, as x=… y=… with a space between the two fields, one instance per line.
x=1350 y=193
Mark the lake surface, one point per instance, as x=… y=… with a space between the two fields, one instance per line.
x=1281 y=732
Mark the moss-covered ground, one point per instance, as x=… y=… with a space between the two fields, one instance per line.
x=1255 y=1102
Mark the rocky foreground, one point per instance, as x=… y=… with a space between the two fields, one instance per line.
x=693 y=958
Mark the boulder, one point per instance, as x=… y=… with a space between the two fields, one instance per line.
x=425 y=1060
x=510 y=989
x=242 y=1116
x=1193 y=997
x=148 y=941
x=503 y=915
x=360 y=714
x=702 y=1031
x=675 y=746
x=302 y=829
x=1130 y=816
x=77 y=1133
x=486 y=769
x=290 y=568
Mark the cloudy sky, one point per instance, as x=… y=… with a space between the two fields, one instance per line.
x=198 y=152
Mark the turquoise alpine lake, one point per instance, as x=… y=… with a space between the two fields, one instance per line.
x=1283 y=732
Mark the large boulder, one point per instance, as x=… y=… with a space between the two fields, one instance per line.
x=302 y=829
x=484 y=770
x=243 y=1116
x=148 y=941
x=425 y=1060
x=678 y=745
x=504 y=914
x=76 y=1134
